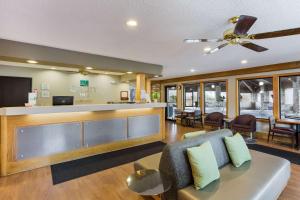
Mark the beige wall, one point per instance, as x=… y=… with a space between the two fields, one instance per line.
x=232 y=101
x=103 y=88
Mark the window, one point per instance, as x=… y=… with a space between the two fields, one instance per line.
x=289 y=88
x=191 y=96
x=256 y=97
x=215 y=97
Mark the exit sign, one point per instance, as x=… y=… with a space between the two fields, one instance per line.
x=84 y=83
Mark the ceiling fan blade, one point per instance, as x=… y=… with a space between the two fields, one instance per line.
x=202 y=40
x=253 y=46
x=281 y=33
x=217 y=49
x=243 y=24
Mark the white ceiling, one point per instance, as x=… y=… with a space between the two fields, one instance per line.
x=98 y=26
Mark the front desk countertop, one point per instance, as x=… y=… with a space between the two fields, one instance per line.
x=10 y=111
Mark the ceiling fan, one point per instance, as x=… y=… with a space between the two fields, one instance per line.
x=239 y=35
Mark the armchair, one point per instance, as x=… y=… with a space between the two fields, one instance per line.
x=244 y=124
x=214 y=119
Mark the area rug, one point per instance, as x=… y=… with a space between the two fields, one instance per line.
x=291 y=156
x=74 y=169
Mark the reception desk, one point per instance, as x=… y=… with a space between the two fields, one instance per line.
x=33 y=137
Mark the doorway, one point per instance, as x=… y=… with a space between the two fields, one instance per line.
x=171 y=100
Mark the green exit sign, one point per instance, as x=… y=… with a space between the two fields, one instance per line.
x=84 y=83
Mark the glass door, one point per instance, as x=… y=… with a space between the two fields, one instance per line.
x=191 y=96
x=171 y=99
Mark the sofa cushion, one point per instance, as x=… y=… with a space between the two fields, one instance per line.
x=264 y=177
x=237 y=149
x=193 y=134
x=174 y=161
x=204 y=165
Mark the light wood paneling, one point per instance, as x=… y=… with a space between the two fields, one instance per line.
x=9 y=124
x=140 y=85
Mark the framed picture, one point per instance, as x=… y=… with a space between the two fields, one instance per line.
x=124 y=95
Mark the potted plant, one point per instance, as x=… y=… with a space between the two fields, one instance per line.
x=155 y=96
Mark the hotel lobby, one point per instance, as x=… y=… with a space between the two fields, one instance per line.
x=156 y=100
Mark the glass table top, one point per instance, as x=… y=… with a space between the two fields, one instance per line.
x=148 y=182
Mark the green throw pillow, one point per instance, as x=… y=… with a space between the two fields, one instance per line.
x=193 y=134
x=237 y=149
x=204 y=165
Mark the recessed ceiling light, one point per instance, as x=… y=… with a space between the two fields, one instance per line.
x=207 y=49
x=156 y=76
x=32 y=61
x=261 y=83
x=244 y=61
x=89 y=68
x=129 y=72
x=131 y=23
x=192 y=70
x=53 y=68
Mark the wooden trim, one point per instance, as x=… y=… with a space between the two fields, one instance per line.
x=227 y=97
x=237 y=98
x=4 y=146
x=254 y=77
x=250 y=70
x=276 y=92
x=288 y=74
x=213 y=81
x=201 y=95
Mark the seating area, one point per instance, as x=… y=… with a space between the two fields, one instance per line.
x=149 y=100
x=264 y=177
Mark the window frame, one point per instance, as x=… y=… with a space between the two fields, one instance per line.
x=184 y=97
x=203 y=94
x=278 y=76
x=238 y=109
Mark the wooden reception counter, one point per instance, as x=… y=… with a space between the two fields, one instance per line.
x=33 y=137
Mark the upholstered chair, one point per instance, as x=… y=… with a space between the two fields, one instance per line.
x=214 y=119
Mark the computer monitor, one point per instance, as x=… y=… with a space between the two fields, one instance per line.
x=62 y=100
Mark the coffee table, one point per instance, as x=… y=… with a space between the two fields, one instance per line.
x=148 y=183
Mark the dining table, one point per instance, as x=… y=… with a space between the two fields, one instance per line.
x=292 y=122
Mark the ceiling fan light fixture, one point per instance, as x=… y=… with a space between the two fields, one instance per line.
x=191 y=41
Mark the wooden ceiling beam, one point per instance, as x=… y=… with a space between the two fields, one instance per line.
x=250 y=70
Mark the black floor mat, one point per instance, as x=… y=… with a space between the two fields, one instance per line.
x=74 y=169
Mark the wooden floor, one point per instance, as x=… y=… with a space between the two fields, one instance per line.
x=106 y=185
